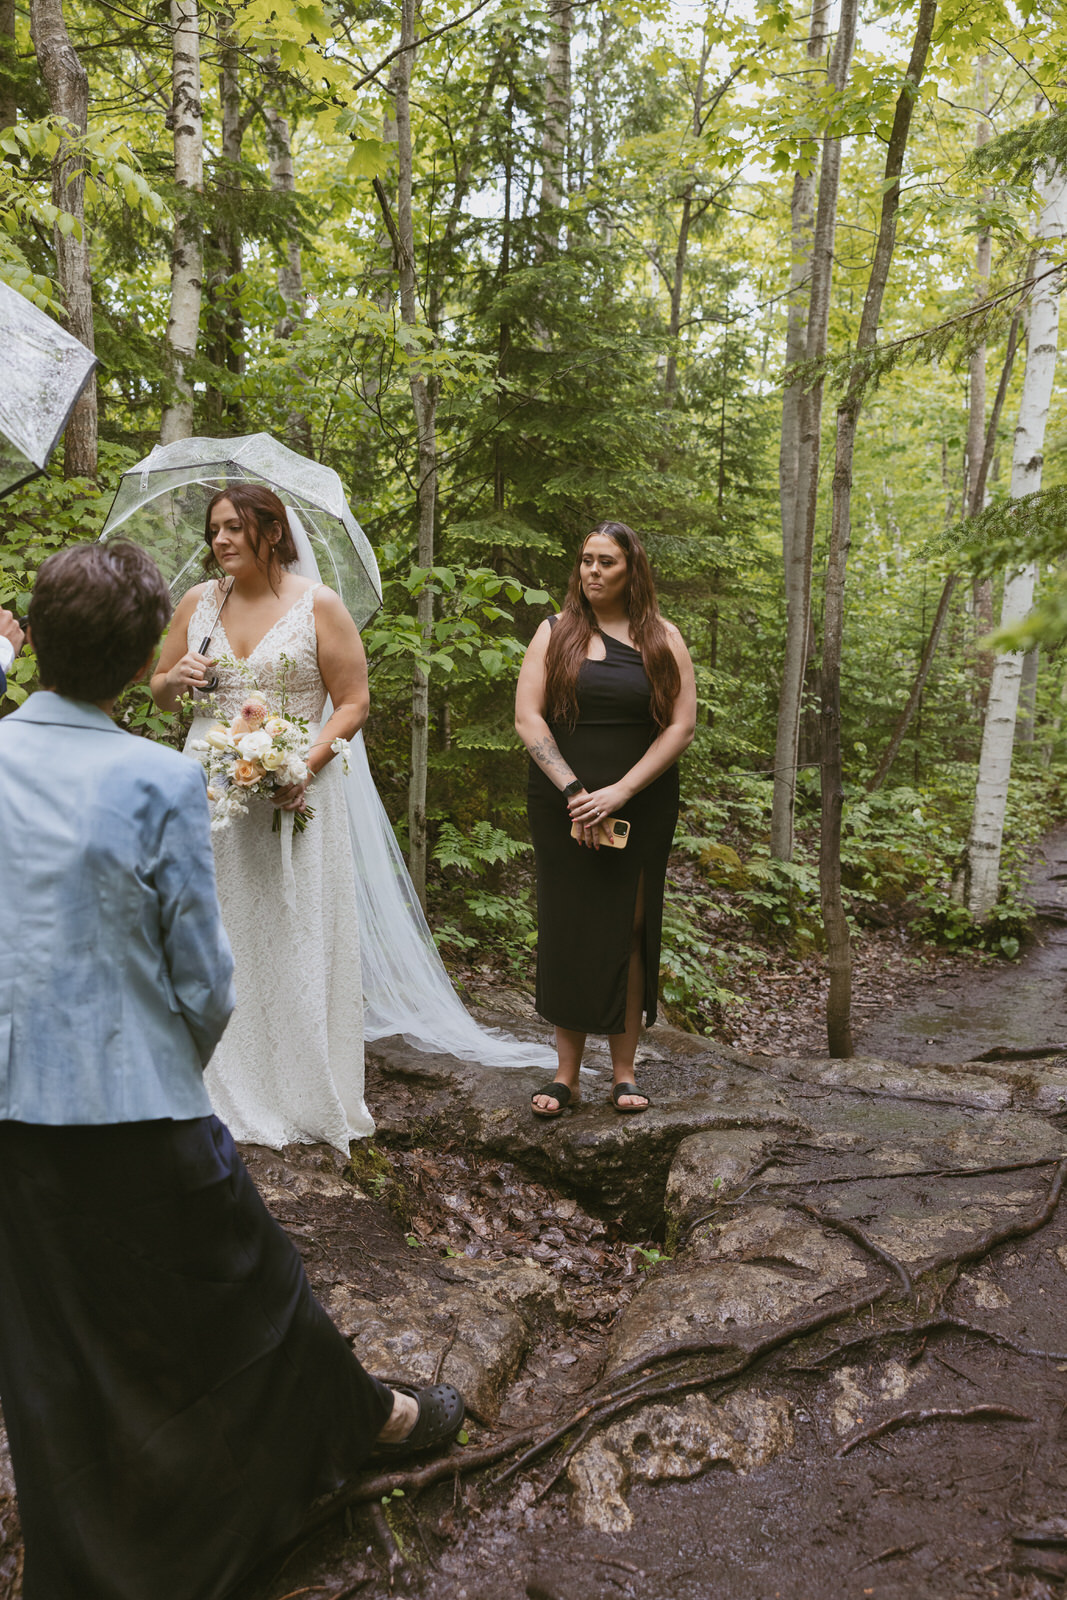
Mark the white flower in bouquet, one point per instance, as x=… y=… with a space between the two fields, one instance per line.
x=254 y=746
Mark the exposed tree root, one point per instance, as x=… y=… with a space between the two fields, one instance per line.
x=909 y=1330
x=363 y=1490
x=911 y=1419
x=395 y=1564
x=852 y=1231
x=1035 y=1052
x=933 y=1172
x=601 y=1409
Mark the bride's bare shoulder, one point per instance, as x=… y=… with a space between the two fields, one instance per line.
x=190 y=600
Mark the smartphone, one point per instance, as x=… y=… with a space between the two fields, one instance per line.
x=614 y=832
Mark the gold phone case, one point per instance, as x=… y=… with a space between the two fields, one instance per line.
x=614 y=832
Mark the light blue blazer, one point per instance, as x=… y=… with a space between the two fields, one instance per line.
x=116 y=977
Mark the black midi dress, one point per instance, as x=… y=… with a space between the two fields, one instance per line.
x=586 y=898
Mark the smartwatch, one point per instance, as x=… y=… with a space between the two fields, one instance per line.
x=574 y=787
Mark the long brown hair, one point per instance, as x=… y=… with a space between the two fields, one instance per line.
x=569 y=644
x=259 y=509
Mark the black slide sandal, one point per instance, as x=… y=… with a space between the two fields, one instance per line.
x=629 y=1088
x=561 y=1093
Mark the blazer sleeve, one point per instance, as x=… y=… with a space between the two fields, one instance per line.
x=195 y=945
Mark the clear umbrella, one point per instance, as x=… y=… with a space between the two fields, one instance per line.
x=45 y=370
x=162 y=501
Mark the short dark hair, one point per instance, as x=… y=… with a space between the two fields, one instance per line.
x=259 y=509
x=96 y=614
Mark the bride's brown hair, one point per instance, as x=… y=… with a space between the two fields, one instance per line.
x=259 y=509
x=569 y=643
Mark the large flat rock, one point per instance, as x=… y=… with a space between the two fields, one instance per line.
x=617 y=1165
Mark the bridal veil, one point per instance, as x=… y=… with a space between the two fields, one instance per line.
x=406 y=989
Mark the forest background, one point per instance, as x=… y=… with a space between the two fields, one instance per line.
x=513 y=269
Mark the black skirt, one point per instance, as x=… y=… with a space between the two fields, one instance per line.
x=175 y=1396
x=586 y=898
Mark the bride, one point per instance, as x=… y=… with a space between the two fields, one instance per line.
x=289 y=1068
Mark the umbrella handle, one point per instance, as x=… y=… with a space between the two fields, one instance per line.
x=205 y=643
x=210 y=686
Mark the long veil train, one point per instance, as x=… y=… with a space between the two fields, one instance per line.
x=406 y=989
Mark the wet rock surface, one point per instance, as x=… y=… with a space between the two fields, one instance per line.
x=797 y=1331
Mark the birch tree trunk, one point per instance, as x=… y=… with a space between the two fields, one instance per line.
x=67 y=83
x=291 y=268
x=801 y=427
x=838 y=946
x=187 y=254
x=981 y=873
x=424 y=403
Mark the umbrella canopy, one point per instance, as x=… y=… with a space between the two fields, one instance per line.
x=162 y=502
x=45 y=370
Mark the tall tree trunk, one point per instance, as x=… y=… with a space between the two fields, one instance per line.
x=9 y=106
x=424 y=403
x=918 y=685
x=981 y=872
x=983 y=589
x=290 y=269
x=685 y=222
x=68 y=96
x=187 y=254
x=801 y=428
x=557 y=117
x=226 y=321
x=503 y=270
x=838 y=949
x=983 y=260
x=1024 y=722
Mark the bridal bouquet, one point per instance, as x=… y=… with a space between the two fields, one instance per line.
x=258 y=754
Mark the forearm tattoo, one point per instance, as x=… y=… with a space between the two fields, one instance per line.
x=547 y=755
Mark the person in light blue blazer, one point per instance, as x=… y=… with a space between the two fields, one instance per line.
x=175 y=1397
x=10 y=645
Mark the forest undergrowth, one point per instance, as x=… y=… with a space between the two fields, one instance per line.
x=743 y=953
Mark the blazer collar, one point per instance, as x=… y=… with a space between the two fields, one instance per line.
x=44 y=706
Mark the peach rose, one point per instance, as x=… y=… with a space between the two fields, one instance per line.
x=247 y=772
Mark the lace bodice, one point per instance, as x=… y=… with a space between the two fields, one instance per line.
x=285 y=662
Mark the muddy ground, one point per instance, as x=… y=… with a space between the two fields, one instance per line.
x=819 y=1374
x=797 y=1332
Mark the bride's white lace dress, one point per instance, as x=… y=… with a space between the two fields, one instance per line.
x=289 y=1069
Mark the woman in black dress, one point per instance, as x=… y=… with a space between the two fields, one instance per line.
x=606 y=704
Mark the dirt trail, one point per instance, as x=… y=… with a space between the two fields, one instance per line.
x=842 y=1371
x=1011 y=1005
